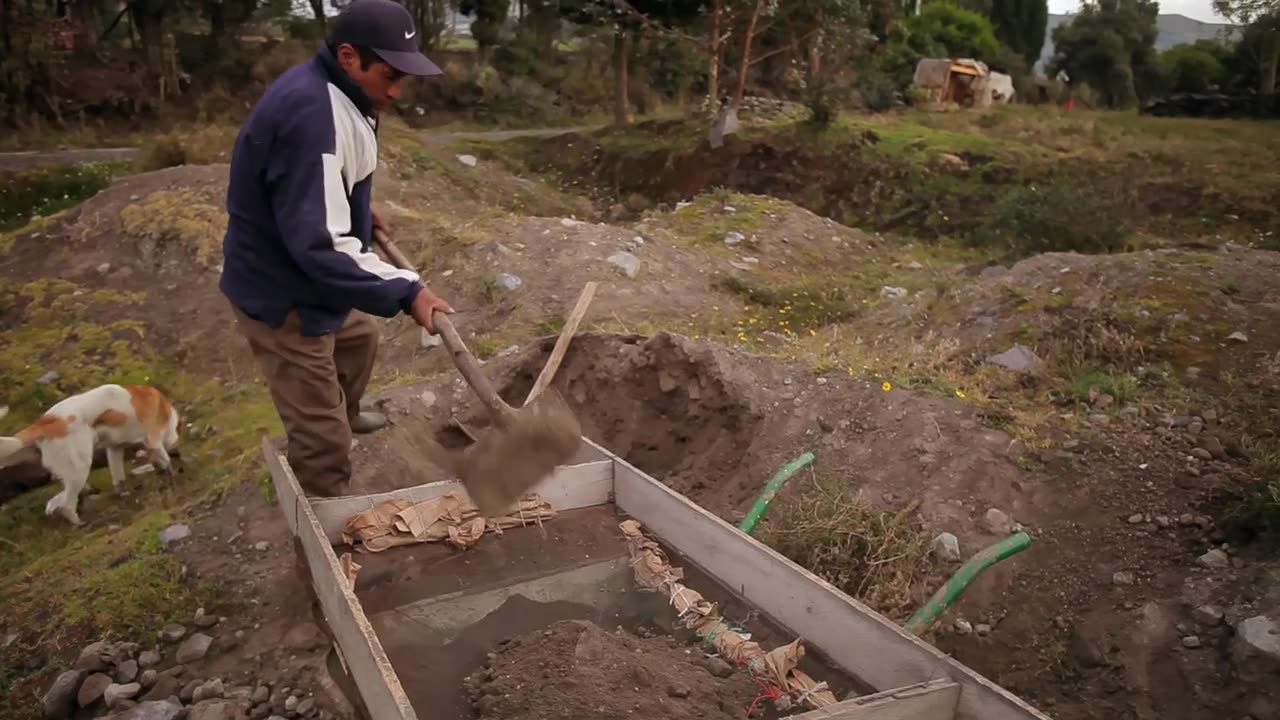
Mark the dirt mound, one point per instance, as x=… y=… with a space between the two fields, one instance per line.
x=575 y=669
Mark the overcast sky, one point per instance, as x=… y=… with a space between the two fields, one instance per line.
x=1197 y=9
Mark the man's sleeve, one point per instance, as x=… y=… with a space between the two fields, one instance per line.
x=309 y=199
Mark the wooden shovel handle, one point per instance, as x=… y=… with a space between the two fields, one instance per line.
x=462 y=357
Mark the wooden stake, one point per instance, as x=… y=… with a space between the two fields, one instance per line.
x=562 y=343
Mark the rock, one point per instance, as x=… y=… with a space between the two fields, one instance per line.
x=173 y=632
x=468 y=160
x=427 y=341
x=148 y=678
x=92 y=658
x=1163 y=521
x=211 y=690
x=307 y=706
x=734 y=238
x=1191 y=642
x=569 y=222
x=946 y=547
x=1238 y=336
x=207 y=621
x=262 y=546
x=261 y=694
x=1214 y=559
x=291 y=703
x=1017 y=358
x=508 y=282
x=677 y=690
x=991 y=272
x=1122 y=577
x=115 y=693
x=1213 y=445
x=953 y=162
x=1089 y=652
x=774 y=339
x=92 y=689
x=150 y=658
x=890 y=291
x=1195 y=428
x=1135 y=519
x=165 y=686
x=717 y=667
x=189 y=691
x=219 y=710
x=1201 y=454
x=1099 y=419
x=174 y=533
x=59 y=700
x=963 y=627
x=626 y=262
x=1186 y=519
x=127 y=671
x=150 y=710
x=998 y=523
x=982 y=629
x=193 y=648
x=1255 y=651
x=47 y=378
x=304 y=636
x=1208 y=615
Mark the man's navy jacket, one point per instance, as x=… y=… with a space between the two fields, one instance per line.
x=300 y=226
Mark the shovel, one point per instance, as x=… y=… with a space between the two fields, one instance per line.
x=523 y=446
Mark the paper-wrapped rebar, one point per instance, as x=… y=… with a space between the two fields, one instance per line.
x=777 y=667
x=449 y=518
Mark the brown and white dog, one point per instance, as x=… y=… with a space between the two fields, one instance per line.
x=114 y=416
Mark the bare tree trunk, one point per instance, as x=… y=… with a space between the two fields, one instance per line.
x=713 y=52
x=744 y=63
x=621 y=75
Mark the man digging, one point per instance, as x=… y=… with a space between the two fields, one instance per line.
x=298 y=267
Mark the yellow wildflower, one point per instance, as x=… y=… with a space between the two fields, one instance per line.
x=960 y=393
x=887 y=386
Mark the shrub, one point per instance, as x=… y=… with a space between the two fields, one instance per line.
x=1065 y=216
x=44 y=191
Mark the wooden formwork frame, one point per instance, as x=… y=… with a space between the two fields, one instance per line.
x=915 y=679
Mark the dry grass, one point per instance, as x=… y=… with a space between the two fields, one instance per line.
x=875 y=556
x=177 y=216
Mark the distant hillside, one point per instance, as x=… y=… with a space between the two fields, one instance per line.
x=1172 y=30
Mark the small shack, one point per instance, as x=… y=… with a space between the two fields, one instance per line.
x=962 y=82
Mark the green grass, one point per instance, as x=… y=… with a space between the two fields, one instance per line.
x=43 y=191
x=1122 y=387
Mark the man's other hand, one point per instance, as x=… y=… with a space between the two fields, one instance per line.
x=424 y=306
x=378 y=222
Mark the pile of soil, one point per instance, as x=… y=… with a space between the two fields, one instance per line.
x=576 y=669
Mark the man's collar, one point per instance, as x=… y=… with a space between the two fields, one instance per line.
x=340 y=78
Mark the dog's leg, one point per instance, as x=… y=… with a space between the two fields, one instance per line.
x=115 y=461
x=68 y=460
x=159 y=456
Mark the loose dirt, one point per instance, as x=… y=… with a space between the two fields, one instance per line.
x=576 y=669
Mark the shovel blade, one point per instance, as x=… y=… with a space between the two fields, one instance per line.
x=511 y=458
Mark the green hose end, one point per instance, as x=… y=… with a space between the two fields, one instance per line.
x=955 y=586
x=771 y=489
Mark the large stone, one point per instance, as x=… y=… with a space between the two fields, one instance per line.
x=998 y=522
x=150 y=658
x=152 y=710
x=127 y=671
x=1214 y=559
x=115 y=693
x=59 y=701
x=193 y=648
x=1256 y=647
x=508 y=282
x=166 y=686
x=93 y=658
x=174 y=533
x=211 y=690
x=173 y=632
x=626 y=262
x=946 y=547
x=219 y=710
x=92 y=689
x=1018 y=358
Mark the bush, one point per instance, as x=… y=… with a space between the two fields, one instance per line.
x=44 y=191
x=1066 y=216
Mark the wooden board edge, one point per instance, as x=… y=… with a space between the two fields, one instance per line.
x=376 y=681
x=765 y=578
x=933 y=700
x=568 y=488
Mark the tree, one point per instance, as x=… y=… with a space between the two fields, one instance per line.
x=1195 y=68
x=1021 y=24
x=487 y=26
x=943 y=29
x=1262 y=32
x=1110 y=45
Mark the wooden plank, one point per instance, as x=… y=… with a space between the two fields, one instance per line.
x=380 y=690
x=562 y=343
x=856 y=638
x=568 y=488
x=933 y=700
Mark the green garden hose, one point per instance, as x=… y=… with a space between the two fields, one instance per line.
x=957 y=583
x=771 y=489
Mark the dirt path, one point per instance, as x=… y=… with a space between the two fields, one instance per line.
x=34 y=158
x=443 y=138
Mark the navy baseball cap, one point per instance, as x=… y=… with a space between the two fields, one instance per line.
x=386 y=28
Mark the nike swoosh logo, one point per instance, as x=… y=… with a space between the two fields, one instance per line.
x=409 y=35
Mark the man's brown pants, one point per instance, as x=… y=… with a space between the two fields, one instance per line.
x=316 y=384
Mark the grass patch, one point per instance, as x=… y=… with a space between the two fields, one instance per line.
x=178 y=216
x=875 y=556
x=791 y=309
x=550 y=325
x=1087 y=386
x=43 y=191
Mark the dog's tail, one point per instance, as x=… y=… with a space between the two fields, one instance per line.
x=9 y=446
x=46 y=427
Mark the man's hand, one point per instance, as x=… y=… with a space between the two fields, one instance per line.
x=424 y=306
